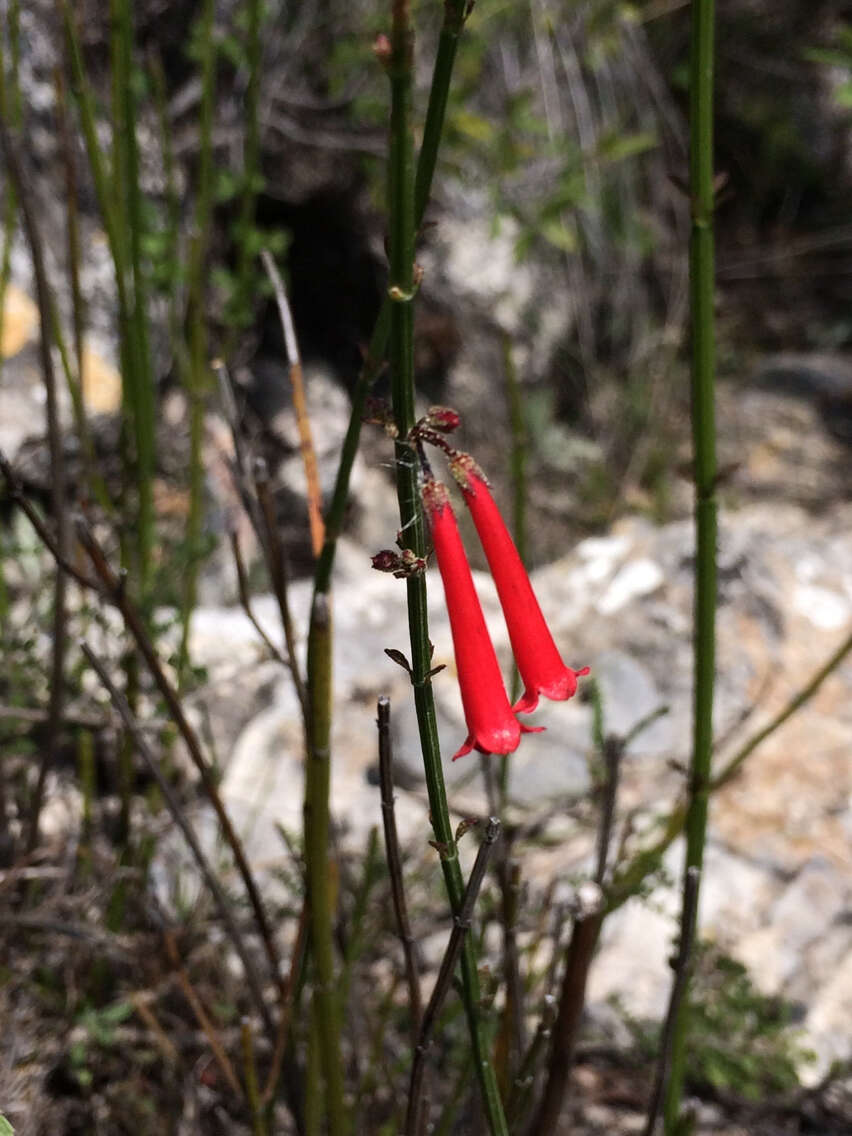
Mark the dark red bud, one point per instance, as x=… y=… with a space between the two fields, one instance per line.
x=382 y=49
x=443 y=418
x=387 y=561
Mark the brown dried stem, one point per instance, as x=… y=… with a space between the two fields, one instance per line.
x=115 y=590
x=245 y=600
x=578 y=958
x=201 y=1015
x=179 y=817
x=26 y=201
x=461 y=925
x=409 y=945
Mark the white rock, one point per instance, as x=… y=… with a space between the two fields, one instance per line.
x=637 y=578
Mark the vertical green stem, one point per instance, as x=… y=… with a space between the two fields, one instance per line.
x=317 y=823
x=112 y=203
x=401 y=210
x=454 y=17
x=704 y=440
x=319 y=666
x=250 y=1079
x=137 y=353
x=10 y=211
x=10 y=111
x=252 y=177
x=197 y=371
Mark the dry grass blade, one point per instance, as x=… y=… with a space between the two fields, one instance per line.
x=195 y=1004
x=300 y=405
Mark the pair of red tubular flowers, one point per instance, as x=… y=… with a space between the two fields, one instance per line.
x=491 y=722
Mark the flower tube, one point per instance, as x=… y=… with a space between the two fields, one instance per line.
x=539 y=662
x=492 y=726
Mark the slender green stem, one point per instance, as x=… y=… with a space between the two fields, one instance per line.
x=10 y=111
x=197 y=372
x=57 y=473
x=356 y=935
x=112 y=207
x=128 y=196
x=74 y=380
x=733 y=766
x=96 y=484
x=454 y=17
x=317 y=827
x=414 y=1120
x=701 y=272
x=252 y=176
x=313 y=1078
x=401 y=291
x=250 y=1078
x=319 y=678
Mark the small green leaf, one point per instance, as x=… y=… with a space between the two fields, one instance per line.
x=559 y=235
x=473 y=126
x=618 y=147
x=6 y=1128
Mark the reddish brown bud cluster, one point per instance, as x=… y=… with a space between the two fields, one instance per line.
x=403 y=564
x=377 y=412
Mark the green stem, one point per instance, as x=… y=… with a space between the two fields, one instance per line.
x=112 y=211
x=454 y=17
x=11 y=114
x=145 y=440
x=252 y=176
x=197 y=371
x=401 y=202
x=319 y=667
x=317 y=826
x=250 y=1078
x=701 y=272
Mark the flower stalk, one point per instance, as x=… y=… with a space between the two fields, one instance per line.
x=401 y=291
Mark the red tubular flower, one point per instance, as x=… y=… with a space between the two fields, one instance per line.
x=492 y=727
x=538 y=659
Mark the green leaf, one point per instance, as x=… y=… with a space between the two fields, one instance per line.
x=829 y=57
x=618 y=147
x=6 y=1128
x=559 y=235
x=473 y=126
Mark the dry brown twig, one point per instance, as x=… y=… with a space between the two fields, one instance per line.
x=300 y=405
x=57 y=474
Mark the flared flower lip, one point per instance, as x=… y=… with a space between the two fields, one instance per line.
x=491 y=722
x=539 y=663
